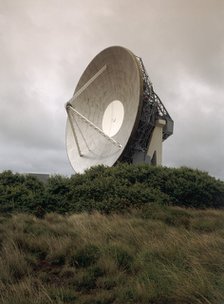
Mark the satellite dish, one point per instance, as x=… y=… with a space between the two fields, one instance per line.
x=114 y=114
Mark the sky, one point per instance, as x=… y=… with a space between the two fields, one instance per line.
x=46 y=44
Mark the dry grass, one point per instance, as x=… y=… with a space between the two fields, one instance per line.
x=156 y=255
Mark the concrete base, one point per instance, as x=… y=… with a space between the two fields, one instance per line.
x=155 y=145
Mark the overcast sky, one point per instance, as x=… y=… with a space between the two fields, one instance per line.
x=46 y=44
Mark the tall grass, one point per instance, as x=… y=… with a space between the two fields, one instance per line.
x=152 y=255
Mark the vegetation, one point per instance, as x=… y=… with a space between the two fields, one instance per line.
x=154 y=254
x=112 y=236
x=109 y=190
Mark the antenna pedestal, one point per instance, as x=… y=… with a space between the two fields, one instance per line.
x=155 y=145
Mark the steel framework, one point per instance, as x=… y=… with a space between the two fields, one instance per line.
x=152 y=110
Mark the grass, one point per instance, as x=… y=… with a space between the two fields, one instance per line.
x=151 y=255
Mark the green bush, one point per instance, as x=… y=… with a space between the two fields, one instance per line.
x=107 y=190
x=135 y=185
x=20 y=193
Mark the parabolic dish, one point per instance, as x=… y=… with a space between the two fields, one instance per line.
x=105 y=109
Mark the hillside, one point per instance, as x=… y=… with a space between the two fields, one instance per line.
x=127 y=234
x=152 y=255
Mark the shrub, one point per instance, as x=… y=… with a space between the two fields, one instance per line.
x=20 y=193
x=109 y=190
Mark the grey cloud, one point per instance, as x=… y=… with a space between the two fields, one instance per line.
x=45 y=46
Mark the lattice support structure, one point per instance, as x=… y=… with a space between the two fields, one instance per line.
x=152 y=110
